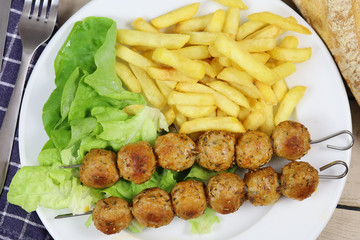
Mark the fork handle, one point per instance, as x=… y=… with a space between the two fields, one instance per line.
x=8 y=127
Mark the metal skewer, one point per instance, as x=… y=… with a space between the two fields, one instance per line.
x=334 y=135
x=67 y=215
x=329 y=165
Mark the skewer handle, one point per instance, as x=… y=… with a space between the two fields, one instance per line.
x=67 y=215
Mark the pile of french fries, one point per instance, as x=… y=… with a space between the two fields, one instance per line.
x=210 y=72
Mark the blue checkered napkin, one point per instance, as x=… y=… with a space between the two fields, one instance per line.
x=15 y=223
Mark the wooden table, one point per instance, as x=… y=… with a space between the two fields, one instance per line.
x=344 y=224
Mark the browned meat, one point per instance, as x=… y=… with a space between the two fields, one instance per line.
x=291 y=140
x=188 y=199
x=175 y=151
x=216 y=150
x=226 y=192
x=136 y=162
x=111 y=215
x=298 y=180
x=253 y=150
x=263 y=186
x=152 y=208
x=99 y=169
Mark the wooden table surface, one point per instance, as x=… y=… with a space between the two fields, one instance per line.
x=344 y=224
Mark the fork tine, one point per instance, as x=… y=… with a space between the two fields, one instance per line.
x=35 y=13
x=44 y=10
x=53 y=10
x=27 y=7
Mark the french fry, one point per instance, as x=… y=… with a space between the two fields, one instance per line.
x=133 y=57
x=168 y=74
x=212 y=51
x=254 y=120
x=224 y=103
x=243 y=113
x=280 y=88
x=190 y=98
x=233 y=3
x=151 y=91
x=272 y=18
x=230 y=92
x=217 y=22
x=164 y=87
x=248 y=28
x=289 y=42
x=233 y=75
x=231 y=24
x=230 y=124
x=206 y=80
x=291 y=54
x=285 y=69
x=255 y=105
x=249 y=91
x=220 y=113
x=268 y=125
x=216 y=65
x=288 y=104
x=224 y=61
x=195 y=111
x=209 y=71
x=245 y=60
x=194 y=24
x=194 y=52
x=141 y=25
x=267 y=94
x=261 y=57
x=270 y=31
x=201 y=38
x=176 y=16
x=180 y=118
x=151 y=39
x=127 y=77
x=183 y=64
x=257 y=45
x=133 y=109
x=148 y=54
x=169 y=115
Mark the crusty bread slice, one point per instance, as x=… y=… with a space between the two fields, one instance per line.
x=338 y=24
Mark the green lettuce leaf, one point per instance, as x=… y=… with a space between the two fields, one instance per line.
x=135 y=226
x=204 y=223
x=162 y=178
x=50 y=187
x=143 y=126
x=199 y=173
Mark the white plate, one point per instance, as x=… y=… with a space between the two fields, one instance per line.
x=324 y=110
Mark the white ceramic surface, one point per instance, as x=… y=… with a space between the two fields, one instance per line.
x=324 y=110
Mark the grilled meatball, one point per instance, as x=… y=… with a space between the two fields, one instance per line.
x=298 y=180
x=262 y=186
x=216 y=150
x=174 y=151
x=253 y=150
x=98 y=169
x=226 y=192
x=188 y=199
x=136 y=162
x=152 y=208
x=111 y=215
x=291 y=140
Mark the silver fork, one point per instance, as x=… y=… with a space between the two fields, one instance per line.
x=36 y=25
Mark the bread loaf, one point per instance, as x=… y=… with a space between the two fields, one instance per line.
x=338 y=24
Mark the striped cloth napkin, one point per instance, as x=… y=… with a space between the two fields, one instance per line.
x=15 y=223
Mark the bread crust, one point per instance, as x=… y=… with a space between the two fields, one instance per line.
x=338 y=24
